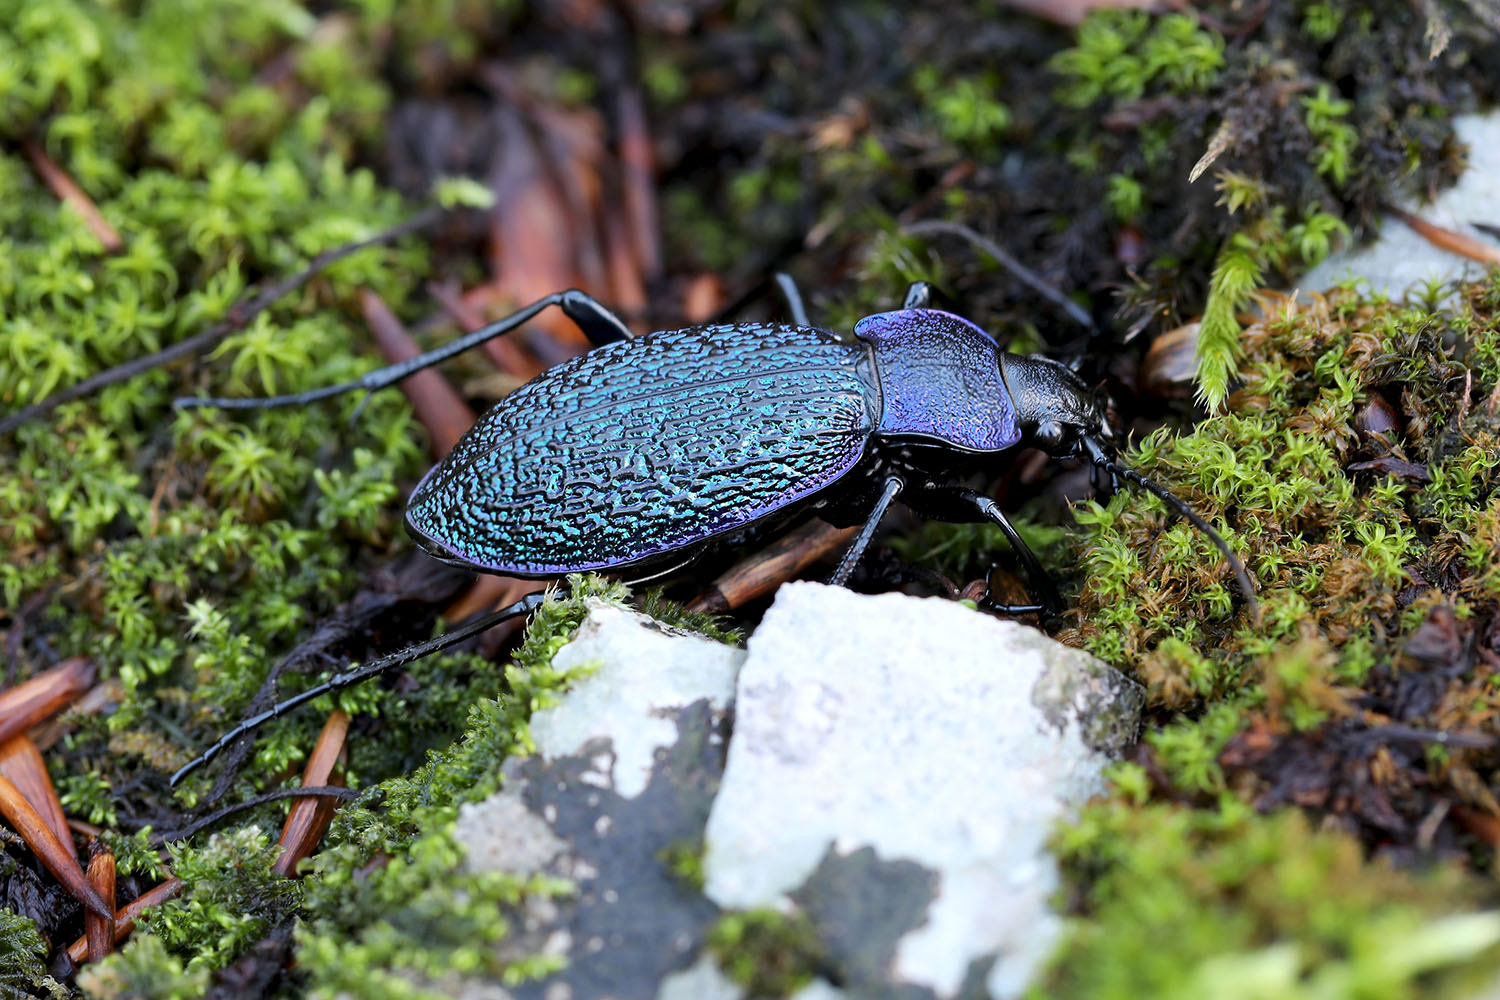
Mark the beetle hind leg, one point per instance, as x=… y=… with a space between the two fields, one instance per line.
x=893 y=486
x=598 y=324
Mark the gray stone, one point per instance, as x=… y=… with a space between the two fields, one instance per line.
x=1400 y=259
x=646 y=672
x=896 y=768
x=626 y=768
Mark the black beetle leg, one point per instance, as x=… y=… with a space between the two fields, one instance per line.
x=793 y=296
x=1101 y=476
x=893 y=486
x=918 y=296
x=995 y=607
x=1035 y=573
x=594 y=318
x=958 y=503
x=597 y=323
x=353 y=676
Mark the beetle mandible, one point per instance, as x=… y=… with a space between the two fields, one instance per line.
x=632 y=458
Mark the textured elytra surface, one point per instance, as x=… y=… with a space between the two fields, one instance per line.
x=940 y=377
x=646 y=446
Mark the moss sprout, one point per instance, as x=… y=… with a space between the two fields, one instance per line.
x=770 y=953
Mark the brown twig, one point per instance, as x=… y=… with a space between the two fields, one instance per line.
x=309 y=818
x=56 y=858
x=1020 y=271
x=763 y=572
x=125 y=917
x=28 y=703
x=1447 y=239
x=70 y=194
x=240 y=314
x=21 y=762
x=99 y=931
x=638 y=180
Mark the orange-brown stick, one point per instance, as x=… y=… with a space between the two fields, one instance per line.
x=638 y=180
x=438 y=406
x=72 y=195
x=22 y=763
x=309 y=818
x=125 y=918
x=99 y=932
x=49 y=850
x=1447 y=239
x=26 y=704
x=763 y=572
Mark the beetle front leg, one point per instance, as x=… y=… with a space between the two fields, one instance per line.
x=893 y=486
x=598 y=324
x=958 y=503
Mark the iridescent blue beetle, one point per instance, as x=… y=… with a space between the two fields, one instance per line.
x=634 y=457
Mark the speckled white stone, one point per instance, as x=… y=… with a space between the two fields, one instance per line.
x=1400 y=259
x=645 y=671
x=930 y=732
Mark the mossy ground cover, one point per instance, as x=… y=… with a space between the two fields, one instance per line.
x=187 y=553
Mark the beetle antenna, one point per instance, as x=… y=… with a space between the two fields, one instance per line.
x=349 y=678
x=1167 y=496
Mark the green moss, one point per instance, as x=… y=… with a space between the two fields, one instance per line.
x=143 y=968
x=230 y=900
x=769 y=953
x=1224 y=902
x=417 y=917
x=1126 y=54
x=1200 y=894
x=23 y=955
x=418 y=914
x=685 y=861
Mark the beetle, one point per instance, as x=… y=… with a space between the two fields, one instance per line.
x=634 y=457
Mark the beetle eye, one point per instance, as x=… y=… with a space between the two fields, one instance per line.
x=1051 y=436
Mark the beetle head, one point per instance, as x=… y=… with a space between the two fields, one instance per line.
x=1056 y=411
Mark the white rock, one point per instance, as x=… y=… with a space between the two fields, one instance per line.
x=646 y=670
x=1400 y=259
x=934 y=735
x=700 y=981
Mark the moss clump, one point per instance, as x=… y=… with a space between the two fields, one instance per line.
x=769 y=953
x=23 y=956
x=1222 y=902
x=684 y=860
x=144 y=968
x=417 y=917
x=230 y=900
x=1357 y=473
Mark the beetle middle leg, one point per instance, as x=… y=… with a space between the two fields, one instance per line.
x=959 y=503
x=598 y=324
